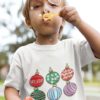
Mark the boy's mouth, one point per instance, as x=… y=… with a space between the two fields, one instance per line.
x=48 y=16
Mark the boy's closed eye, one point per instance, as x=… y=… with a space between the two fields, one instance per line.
x=40 y=3
x=53 y=5
x=36 y=6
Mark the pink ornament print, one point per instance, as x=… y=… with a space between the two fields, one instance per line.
x=67 y=74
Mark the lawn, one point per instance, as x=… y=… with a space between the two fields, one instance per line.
x=1 y=83
x=2 y=98
x=92 y=83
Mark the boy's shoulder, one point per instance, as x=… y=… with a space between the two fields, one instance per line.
x=76 y=43
x=24 y=48
x=70 y=41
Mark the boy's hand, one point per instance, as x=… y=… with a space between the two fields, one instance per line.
x=71 y=15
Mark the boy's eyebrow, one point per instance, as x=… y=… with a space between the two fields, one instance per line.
x=37 y=1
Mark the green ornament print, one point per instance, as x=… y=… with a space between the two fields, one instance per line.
x=38 y=95
x=52 y=77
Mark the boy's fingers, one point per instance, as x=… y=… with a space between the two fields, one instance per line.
x=62 y=12
x=69 y=14
x=71 y=19
x=65 y=10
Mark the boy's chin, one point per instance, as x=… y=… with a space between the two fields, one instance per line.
x=48 y=34
x=48 y=31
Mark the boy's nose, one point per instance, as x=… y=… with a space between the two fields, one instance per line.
x=46 y=8
x=45 y=11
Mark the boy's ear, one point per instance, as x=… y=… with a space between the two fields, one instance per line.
x=28 y=22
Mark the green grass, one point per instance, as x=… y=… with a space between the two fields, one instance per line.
x=1 y=83
x=2 y=98
x=92 y=83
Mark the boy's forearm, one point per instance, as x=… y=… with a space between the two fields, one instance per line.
x=11 y=94
x=71 y=15
x=91 y=35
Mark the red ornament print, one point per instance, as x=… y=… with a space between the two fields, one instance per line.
x=36 y=80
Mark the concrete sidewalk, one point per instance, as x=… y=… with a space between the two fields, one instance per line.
x=92 y=93
x=92 y=98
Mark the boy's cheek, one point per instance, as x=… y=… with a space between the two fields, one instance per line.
x=35 y=16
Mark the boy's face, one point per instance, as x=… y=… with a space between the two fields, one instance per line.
x=40 y=7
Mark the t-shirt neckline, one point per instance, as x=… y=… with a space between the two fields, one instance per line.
x=46 y=47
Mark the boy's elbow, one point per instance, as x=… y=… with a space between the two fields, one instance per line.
x=96 y=52
x=97 y=55
x=11 y=93
x=6 y=92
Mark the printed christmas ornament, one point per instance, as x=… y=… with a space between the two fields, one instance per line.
x=70 y=89
x=38 y=95
x=36 y=80
x=52 y=77
x=54 y=93
x=67 y=74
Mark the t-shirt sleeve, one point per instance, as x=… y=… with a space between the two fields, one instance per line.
x=14 y=78
x=86 y=53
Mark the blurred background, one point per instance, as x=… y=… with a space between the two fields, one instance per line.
x=14 y=33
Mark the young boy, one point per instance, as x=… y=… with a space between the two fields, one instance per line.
x=39 y=69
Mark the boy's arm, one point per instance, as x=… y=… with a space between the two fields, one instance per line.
x=93 y=37
x=11 y=94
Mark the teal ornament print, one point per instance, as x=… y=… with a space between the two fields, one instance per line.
x=38 y=95
x=52 y=77
x=54 y=93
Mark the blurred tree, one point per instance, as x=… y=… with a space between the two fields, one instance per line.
x=3 y=61
x=96 y=68
x=14 y=23
x=85 y=68
x=13 y=47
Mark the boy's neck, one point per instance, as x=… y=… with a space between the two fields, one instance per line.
x=47 y=40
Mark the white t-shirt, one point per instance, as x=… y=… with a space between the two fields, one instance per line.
x=27 y=59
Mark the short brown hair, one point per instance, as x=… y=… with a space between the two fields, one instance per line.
x=26 y=9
